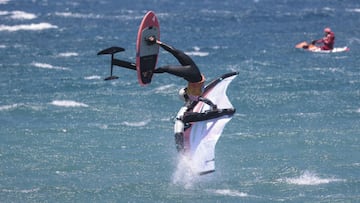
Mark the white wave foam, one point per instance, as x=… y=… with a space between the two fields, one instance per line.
x=29 y=27
x=356 y=10
x=165 y=89
x=93 y=77
x=2 y=46
x=310 y=178
x=30 y=190
x=68 y=103
x=232 y=193
x=68 y=54
x=76 y=15
x=21 y=191
x=4 y=1
x=197 y=53
x=136 y=124
x=8 y=107
x=22 y=15
x=48 y=66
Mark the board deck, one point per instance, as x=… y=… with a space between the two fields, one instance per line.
x=335 y=50
x=313 y=48
x=147 y=55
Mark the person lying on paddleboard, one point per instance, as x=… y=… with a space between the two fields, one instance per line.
x=328 y=40
x=187 y=70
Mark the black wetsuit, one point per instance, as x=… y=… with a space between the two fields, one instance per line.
x=188 y=69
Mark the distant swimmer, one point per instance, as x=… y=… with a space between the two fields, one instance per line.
x=328 y=40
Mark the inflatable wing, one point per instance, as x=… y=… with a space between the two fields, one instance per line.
x=200 y=137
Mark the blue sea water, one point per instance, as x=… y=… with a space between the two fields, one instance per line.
x=66 y=135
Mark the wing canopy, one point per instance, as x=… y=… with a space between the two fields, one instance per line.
x=201 y=137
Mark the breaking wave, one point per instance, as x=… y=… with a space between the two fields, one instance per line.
x=136 y=124
x=8 y=107
x=93 y=77
x=68 y=54
x=18 y=15
x=232 y=193
x=26 y=191
x=68 y=103
x=355 y=10
x=197 y=52
x=48 y=66
x=24 y=106
x=77 y=15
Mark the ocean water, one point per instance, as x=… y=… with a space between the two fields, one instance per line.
x=66 y=135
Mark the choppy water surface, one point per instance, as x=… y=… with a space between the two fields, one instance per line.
x=68 y=136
